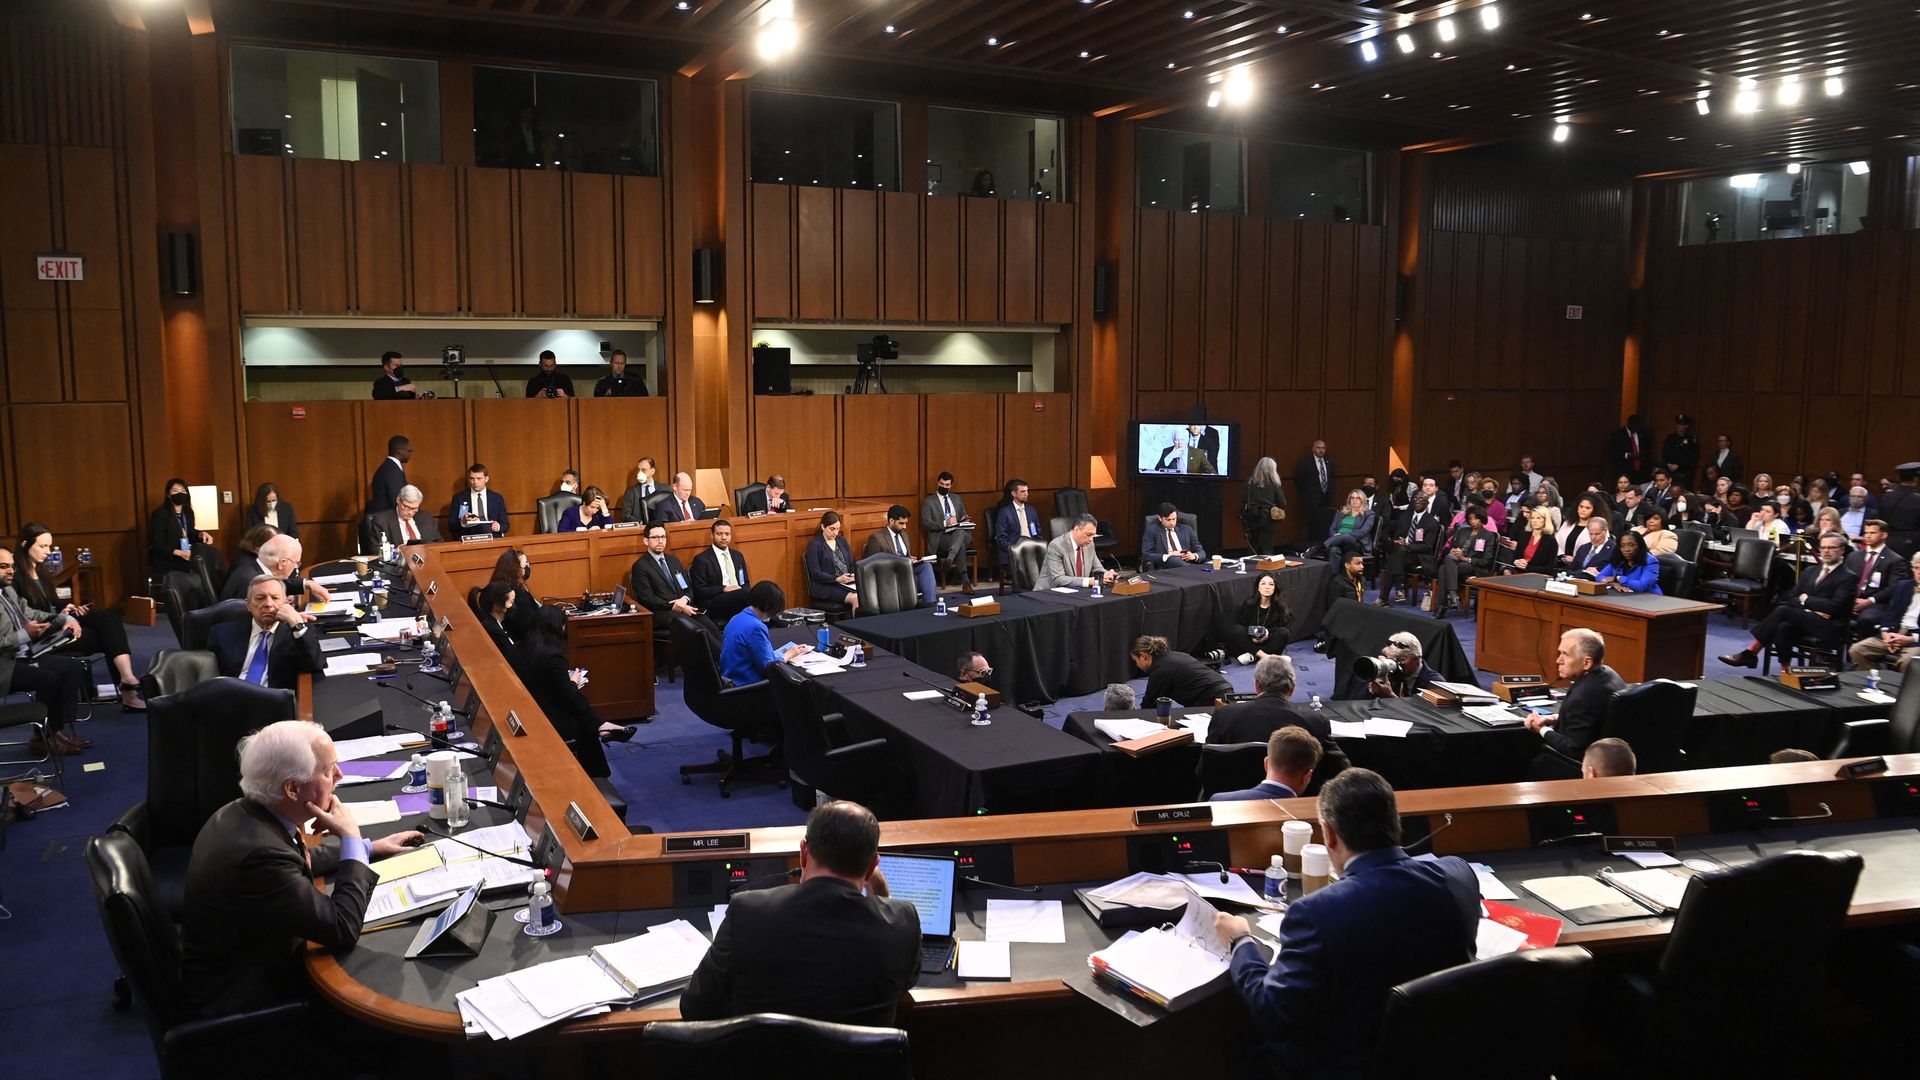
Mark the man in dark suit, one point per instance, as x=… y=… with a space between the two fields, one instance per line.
x=274 y=646
x=1877 y=569
x=1567 y=733
x=1170 y=540
x=1292 y=756
x=1630 y=450
x=479 y=511
x=280 y=557
x=392 y=384
x=550 y=382
x=391 y=476
x=943 y=517
x=683 y=506
x=893 y=540
x=834 y=947
x=1318 y=1004
x=251 y=904
x=772 y=500
x=657 y=581
x=616 y=382
x=1416 y=549
x=1175 y=675
x=1820 y=607
x=1251 y=721
x=1593 y=553
x=405 y=524
x=1206 y=440
x=1410 y=673
x=1680 y=453
x=1896 y=640
x=718 y=577
x=1314 y=478
x=1634 y=509
x=1726 y=460
x=633 y=501
x=1660 y=494
x=58 y=681
x=1183 y=457
x=1900 y=509
x=1018 y=520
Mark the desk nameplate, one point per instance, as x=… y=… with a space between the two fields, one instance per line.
x=706 y=844
x=1174 y=815
x=1621 y=845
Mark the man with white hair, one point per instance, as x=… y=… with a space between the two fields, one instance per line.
x=1274 y=681
x=1410 y=674
x=405 y=524
x=1576 y=724
x=274 y=646
x=251 y=902
x=278 y=557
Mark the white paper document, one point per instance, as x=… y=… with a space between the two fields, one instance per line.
x=1651 y=859
x=373 y=813
x=563 y=987
x=1269 y=924
x=336 y=579
x=1026 y=920
x=1198 y=723
x=715 y=917
x=922 y=695
x=352 y=663
x=386 y=629
x=456 y=877
x=335 y=644
x=1492 y=888
x=1234 y=889
x=376 y=746
x=1064 y=589
x=985 y=960
x=1122 y=728
x=335 y=607
x=399 y=770
x=1380 y=726
x=1348 y=729
x=1496 y=939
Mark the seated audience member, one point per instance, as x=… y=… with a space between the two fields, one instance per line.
x=592 y=512
x=60 y=682
x=893 y=539
x=1634 y=508
x=1119 y=697
x=101 y=628
x=1877 y=569
x=251 y=903
x=1537 y=553
x=404 y=524
x=268 y=508
x=1569 y=732
x=944 y=525
x=829 y=564
x=1017 y=520
x=1607 y=757
x=1352 y=529
x=683 y=506
x=514 y=570
x=1767 y=522
x=746 y=649
x=274 y=646
x=1489 y=492
x=1410 y=673
x=633 y=501
x=1175 y=675
x=1855 y=517
x=1318 y=1004
x=832 y=947
x=618 y=382
x=1167 y=540
x=658 y=582
x=1827 y=520
x=175 y=543
x=1292 y=755
x=1632 y=570
x=549 y=381
x=1800 y=518
x=1259 y=628
x=1472 y=555
x=1594 y=551
x=1818 y=607
x=392 y=383
x=478 y=511
x=1416 y=549
x=1071 y=559
x=1788 y=754
x=1659 y=539
x=773 y=500
x=1270 y=710
x=718 y=577
x=1898 y=639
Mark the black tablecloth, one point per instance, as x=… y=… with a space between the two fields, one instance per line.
x=1046 y=645
x=1164 y=776
x=1444 y=748
x=1356 y=629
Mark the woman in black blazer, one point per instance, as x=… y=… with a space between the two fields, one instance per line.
x=1259 y=628
x=513 y=570
x=829 y=562
x=543 y=669
x=170 y=524
x=1539 y=553
x=268 y=508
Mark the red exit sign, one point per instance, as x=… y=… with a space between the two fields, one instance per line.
x=60 y=267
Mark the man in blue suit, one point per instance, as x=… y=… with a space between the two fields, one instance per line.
x=1169 y=540
x=682 y=506
x=1595 y=551
x=479 y=511
x=1390 y=918
x=1017 y=519
x=274 y=646
x=1292 y=755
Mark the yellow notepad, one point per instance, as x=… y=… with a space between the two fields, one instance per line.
x=418 y=861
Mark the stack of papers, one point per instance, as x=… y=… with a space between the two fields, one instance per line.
x=532 y=998
x=1170 y=967
x=1122 y=728
x=367 y=772
x=819 y=663
x=1026 y=920
x=1198 y=723
x=656 y=962
x=348 y=606
x=378 y=746
x=373 y=813
x=386 y=629
x=1659 y=889
x=1467 y=692
x=1374 y=726
x=352 y=663
x=331 y=580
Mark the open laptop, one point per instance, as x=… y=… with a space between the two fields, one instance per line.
x=619 y=599
x=929 y=882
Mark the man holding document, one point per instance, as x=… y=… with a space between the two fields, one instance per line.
x=1390 y=918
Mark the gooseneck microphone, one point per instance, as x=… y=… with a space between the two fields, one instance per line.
x=443 y=744
x=464 y=714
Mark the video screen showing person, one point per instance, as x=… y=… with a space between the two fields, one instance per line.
x=1186 y=449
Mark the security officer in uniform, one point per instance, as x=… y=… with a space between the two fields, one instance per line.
x=1681 y=452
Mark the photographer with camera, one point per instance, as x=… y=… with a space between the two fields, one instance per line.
x=1399 y=671
x=551 y=382
x=392 y=383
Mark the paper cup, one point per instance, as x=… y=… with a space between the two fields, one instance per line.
x=1294 y=837
x=1316 y=868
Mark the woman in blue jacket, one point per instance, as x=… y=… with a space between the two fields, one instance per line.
x=1633 y=570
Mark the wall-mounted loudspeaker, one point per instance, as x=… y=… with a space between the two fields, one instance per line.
x=1102 y=288
x=705 y=281
x=179 y=264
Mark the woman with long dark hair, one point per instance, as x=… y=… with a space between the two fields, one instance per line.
x=1260 y=626
x=175 y=543
x=268 y=508
x=104 y=630
x=829 y=562
x=514 y=570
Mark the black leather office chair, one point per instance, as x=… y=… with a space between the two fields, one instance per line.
x=745 y=712
x=1689 y=540
x=28 y=719
x=147 y=947
x=1767 y=927
x=1752 y=562
x=884 y=582
x=551 y=507
x=1898 y=733
x=178 y=603
x=654 y=500
x=1071 y=502
x=742 y=494
x=759 y=1041
x=1677 y=575
x=1425 y=1015
x=818 y=754
x=200 y=622
x=1656 y=719
x=1024 y=560
x=1230 y=767
x=1058 y=526
x=173 y=670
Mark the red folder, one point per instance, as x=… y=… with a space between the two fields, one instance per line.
x=1542 y=931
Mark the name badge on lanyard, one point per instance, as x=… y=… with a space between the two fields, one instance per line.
x=680 y=579
x=1480 y=544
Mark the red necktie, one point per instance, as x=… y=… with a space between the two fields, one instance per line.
x=685 y=514
x=407 y=528
x=1077 y=572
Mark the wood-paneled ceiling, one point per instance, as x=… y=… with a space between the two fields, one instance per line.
x=1626 y=72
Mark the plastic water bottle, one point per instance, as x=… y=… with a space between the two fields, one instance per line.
x=442 y=720
x=980 y=717
x=1873 y=680
x=458 y=813
x=86 y=556
x=55 y=557
x=540 y=917
x=940 y=606
x=1276 y=883
x=416 y=775
x=1096 y=586
x=1315 y=704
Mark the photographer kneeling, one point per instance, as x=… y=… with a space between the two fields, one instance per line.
x=1399 y=671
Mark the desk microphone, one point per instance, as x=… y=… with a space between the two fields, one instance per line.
x=1202 y=864
x=950 y=695
x=1000 y=885
x=1571 y=836
x=430 y=830
x=464 y=714
x=1431 y=835
x=440 y=742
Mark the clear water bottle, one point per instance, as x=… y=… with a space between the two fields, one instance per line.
x=540 y=917
x=980 y=717
x=1096 y=586
x=429 y=655
x=416 y=775
x=1873 y=680
x=940 y=606
x=1315 y=704
x=86 y=556
x=458 y=813
x=56 y=558
x=1276 y=883
x=443 y=722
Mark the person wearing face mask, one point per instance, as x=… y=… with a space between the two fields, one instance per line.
x=1819 y=607
x=947 y=529
x=633 y=501
x=392 y=383
x=1854 y=518
x=514 y=570
x=175 y=543
x=268 y=508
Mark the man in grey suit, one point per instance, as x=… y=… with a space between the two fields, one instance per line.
x=405 y=524
x=1071 y=560
x=943 y=523
x=58 y=681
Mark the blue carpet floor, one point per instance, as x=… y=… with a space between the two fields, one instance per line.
x=67 y=1027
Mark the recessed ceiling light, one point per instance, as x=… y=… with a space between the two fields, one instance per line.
x=1623 y=131
x=1789 y=91
x=1561 y=132
x=1084 y=54
x=1509 y=67
x=1369 y=52
x=1188 y=14
x=683 y=6
x=1858 y=168
x=889 y=28
x=1490 y=16
x=1585 y=16
x=1405 y=41
x=1169 y=65
x=993 y=41
x=1661 y=33
x=1437 y=55
x=1279 y=29
x=1793 y=168
x=1446 y=30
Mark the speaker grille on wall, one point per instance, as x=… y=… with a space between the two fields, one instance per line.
x=703 y=276
x=180 y=264
x=1402 y=286
x=1102 y=288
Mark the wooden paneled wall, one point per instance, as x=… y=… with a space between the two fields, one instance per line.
x=1806 y=352
x=367 y=238
x=820 y=253
x=1283 y=326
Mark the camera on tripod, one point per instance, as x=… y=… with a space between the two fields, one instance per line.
x=869 y=380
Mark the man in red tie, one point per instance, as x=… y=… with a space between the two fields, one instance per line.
x=405 y=524
x=1071 y=560
x=684 y=506
x=1879 y=569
